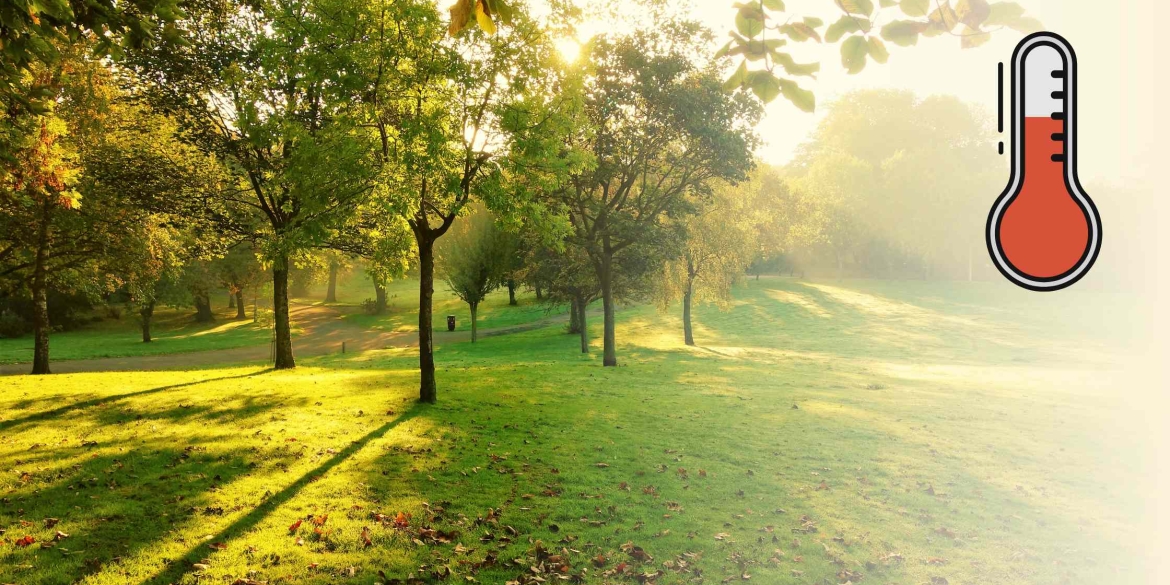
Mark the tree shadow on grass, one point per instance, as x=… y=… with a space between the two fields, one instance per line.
x=110 y=504
x=100 y=400
x=176 y=569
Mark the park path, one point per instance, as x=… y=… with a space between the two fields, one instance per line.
x=323 y=330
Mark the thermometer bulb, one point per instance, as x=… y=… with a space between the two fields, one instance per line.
x=1044 y=232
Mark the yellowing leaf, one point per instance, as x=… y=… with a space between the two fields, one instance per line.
x=484 y=20
x=460 y=15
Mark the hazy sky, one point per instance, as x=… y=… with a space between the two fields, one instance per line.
x=1120 y=68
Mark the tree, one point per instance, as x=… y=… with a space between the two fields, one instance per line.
x=720 y=241
x=475 y=258
x=57 y=224
x=569 y=278
x=447 y=126
x=659 y=128
x=264 y=86
x=763 y=29
x=336 y=262
x=152 y=273
x=239 y=270
x=37 y=36
x=898 y=179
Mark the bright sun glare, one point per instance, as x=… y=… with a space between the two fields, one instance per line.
x=569 y=48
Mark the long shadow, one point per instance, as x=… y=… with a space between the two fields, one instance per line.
x=111 y=501
x=249 y=521
x=59 y=411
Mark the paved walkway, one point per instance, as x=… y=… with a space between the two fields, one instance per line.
x=323 y=330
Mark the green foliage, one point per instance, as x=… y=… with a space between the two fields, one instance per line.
x=488 y=15
x=761 y=58
x=476 y=257
x=38 y=35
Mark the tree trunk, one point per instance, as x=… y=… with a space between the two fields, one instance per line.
x=40 y=294
x=757 y=276
x=428 y=391
x=474 y=330
x=539 y=293
x=146 y=312
x=574 y=317
x=203 y=312
x=379 y=298
x=512 y=292
x=231 y=300
x=609 y=336
x=584 y=325
x=840 y=266
x=284 y=351
x=331 y=292
x=240 y=312
x=688 y=336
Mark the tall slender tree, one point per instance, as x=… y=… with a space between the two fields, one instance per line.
x=262 y=85
x=475 y=259
x=448 y=114
x=660 y=128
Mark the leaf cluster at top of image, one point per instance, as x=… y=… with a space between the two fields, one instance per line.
x=820 y=432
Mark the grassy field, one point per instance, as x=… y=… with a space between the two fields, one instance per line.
x=173 y=331
x=820 y=433
x=402 y=307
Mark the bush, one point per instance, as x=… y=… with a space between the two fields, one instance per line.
x=370 y=306
x=67 y=311
x=12 y=326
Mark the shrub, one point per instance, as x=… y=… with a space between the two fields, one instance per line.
x=12 y=325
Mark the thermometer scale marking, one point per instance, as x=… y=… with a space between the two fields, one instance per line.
x=1044 y=232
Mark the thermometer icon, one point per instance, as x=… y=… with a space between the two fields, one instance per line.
x=1044 y=232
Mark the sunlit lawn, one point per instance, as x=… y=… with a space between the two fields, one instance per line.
x=173 y=331
x=822 y=433
x=402 y=307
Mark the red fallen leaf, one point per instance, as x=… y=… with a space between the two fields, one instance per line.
x=320 y=520
x=26 y=541
x=702 y=473
x=621 y=567
x=295 y=525
x=366 y=536
x=402 y=520
x=823 y=486
x=600 y=561
x=218 y=546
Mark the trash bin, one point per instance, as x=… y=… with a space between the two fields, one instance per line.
x=450 y=322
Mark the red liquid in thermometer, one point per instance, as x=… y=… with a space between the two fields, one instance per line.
x=1044 y=232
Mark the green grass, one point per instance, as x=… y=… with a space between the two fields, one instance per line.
x=172 y=332
x=402 y=307
x=905 y=432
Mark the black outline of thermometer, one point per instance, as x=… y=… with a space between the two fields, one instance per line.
x=1069 y=137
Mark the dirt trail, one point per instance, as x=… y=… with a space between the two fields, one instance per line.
x=323 y=330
